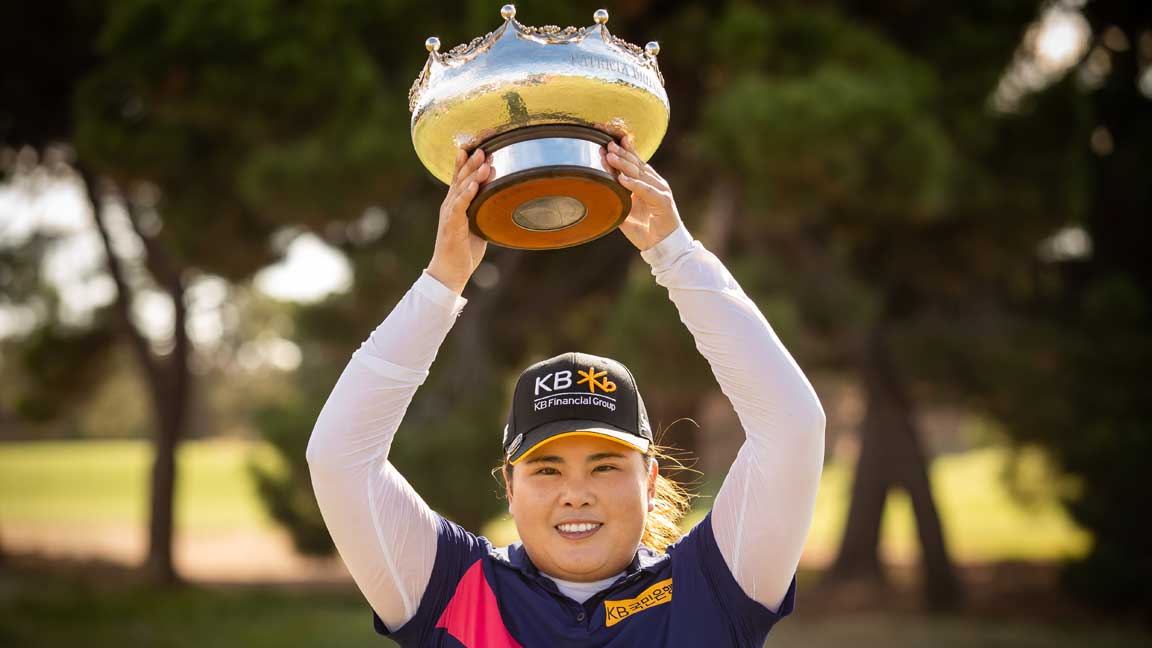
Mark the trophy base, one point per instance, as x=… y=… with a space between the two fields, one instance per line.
x=550 y=188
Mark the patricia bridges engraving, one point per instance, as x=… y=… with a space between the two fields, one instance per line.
x=616 y=66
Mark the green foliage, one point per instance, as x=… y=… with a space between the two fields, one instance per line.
x=1083 y=357
x=286 y=489
x=449 y=443
x=832 y=142
x=21 y=270
x=248 y=116
x=663 y=358
x=1096 y=424
x=59 y=368
x=834 y=119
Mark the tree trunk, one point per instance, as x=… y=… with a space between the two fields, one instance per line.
x=168 y=380
x=859 y=556
x=891 y=454
x=172 y=423
x=161 y=521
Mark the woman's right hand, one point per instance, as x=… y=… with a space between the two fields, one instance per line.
x=458 y=251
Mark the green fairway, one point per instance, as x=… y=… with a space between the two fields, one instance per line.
x=105 y=482
x=39 y=612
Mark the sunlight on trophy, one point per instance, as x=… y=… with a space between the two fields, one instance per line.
x=543 y=102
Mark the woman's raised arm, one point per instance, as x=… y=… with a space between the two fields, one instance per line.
x=384 y=531
x=764 y=508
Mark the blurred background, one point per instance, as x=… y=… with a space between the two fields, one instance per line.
x=942 y=208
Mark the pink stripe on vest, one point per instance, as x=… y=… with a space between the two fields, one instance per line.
x=472 y=616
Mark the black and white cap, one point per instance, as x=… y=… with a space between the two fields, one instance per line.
x=573 y=394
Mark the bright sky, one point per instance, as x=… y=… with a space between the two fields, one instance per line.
x=311 y=269
x=1055 y=42
x=1061 y=39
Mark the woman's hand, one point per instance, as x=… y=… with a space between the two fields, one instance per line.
x=458 y=251
x=654 y=215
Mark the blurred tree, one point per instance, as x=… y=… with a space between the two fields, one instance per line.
x=1086 y=350
x=1109 y=444
x=190 y=100
x=162 y=144
x=872 y=163
x=284 y=489
x=35 y=112
x=55 y=48
x=839 y=123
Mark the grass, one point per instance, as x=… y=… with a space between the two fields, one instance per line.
x=39 y=611
x=44 y=611
x=105 y=482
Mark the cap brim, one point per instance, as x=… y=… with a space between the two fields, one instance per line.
x=573 y=427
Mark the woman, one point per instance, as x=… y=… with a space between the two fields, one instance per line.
x=581 y=478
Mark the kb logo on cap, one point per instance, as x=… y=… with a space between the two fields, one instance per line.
x=563 y=380
x=575 y=392
x=591 y=377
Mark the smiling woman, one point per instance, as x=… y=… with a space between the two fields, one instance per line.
x=580 y=504
x=667 y=501
x=601 y=561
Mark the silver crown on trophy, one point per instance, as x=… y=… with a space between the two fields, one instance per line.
x=542 y=102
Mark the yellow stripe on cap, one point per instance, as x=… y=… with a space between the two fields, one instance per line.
x=570 y=434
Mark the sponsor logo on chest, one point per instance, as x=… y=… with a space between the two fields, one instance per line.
x=617 y=611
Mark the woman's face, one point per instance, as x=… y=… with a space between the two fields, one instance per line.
x=579 y=504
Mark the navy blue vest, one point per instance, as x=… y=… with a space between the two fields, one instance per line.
x=482 y=597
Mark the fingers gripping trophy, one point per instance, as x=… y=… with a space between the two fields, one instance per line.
x=542 y=111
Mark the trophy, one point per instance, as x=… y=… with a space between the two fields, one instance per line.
x=542 y=102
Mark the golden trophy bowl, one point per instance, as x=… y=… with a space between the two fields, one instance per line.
x=542 y=102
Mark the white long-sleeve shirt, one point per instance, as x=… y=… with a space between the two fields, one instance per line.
x=385 y=532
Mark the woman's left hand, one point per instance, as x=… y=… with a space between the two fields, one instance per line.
x=654 y=215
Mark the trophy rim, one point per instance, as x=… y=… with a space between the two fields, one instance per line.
x=464 y=53
x=543 y=173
